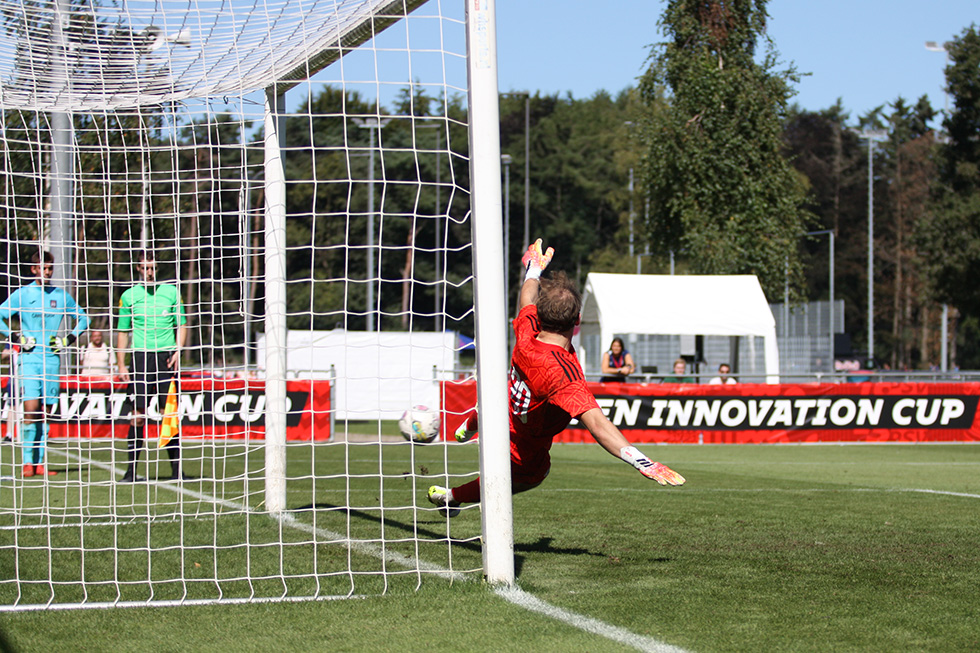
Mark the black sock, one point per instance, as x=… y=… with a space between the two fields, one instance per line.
x=173 y=450
x=134 y=442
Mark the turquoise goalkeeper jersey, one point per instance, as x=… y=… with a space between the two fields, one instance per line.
x=41 y=310
x=153 y=314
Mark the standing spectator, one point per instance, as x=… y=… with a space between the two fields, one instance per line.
x=617 y=363
x=155 y=314
x=42 y=308
x=547 y=389
x=680 y=367
x=723 y=377
x=97 y=356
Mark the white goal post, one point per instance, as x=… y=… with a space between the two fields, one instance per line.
x=495 y=488
x=329 y=166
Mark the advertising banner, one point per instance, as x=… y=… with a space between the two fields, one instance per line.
x=857 y=412
x=208 y=408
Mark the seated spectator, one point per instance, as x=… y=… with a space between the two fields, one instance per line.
x=97 y=357
x=723 y=377
x=617 y=363
x=680 y=367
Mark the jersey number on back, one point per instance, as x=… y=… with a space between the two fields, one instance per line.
x=520 y=395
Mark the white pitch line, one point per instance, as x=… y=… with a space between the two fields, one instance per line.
x=949 y=494
x=532 y=603
x=513 y=595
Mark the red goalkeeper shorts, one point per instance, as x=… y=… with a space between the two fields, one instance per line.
x=530 y=461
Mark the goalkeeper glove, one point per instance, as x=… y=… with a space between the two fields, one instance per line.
x=535 y=260
x=26 y=344
x=657 y=471
x=59 y=343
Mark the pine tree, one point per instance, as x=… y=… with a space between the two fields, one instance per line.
x=949 y=238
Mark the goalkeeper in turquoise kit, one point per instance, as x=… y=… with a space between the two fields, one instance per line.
x=41 y=308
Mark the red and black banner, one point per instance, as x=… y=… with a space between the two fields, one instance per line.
x=861 y=412
x=219 y=408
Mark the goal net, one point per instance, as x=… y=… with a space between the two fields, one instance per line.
x=319 y=184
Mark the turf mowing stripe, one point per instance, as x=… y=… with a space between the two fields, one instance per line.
x=513 y=595
x=532 y=603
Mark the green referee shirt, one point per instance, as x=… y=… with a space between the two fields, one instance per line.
x=153 y=314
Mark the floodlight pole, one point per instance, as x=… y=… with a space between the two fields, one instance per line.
x=871 y=135
x=932 y=46
x=247 y=302
x=439 y=243
x=527 y=166
x=829 y=232
x=62 y=163
x=440 y=253
x=371 y=123
x=632 y=217
x=629 y=124
x=527 y=172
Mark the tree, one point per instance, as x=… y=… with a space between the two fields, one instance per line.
x=328 y=200
x=834 y=160
x=720 y=189
x=579 y=178
x=908 y=167
x=823 y=150
x=949 y=237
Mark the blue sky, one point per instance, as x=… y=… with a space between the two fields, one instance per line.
x=866 y=52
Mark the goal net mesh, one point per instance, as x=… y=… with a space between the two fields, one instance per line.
x=138 y=126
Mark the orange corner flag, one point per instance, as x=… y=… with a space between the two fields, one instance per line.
x=171 y=418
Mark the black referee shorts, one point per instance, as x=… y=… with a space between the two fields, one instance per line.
x=150 y=377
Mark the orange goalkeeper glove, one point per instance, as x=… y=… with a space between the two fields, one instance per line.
x=535 y=260
x=657 y=471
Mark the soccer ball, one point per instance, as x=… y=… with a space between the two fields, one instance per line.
x=419 y=425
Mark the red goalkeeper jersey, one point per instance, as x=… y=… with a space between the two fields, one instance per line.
x=547 y=385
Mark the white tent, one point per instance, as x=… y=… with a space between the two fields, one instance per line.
x=709 y=305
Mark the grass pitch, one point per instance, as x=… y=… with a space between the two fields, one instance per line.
x=802 y=548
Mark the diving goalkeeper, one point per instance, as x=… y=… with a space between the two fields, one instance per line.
x=548 y=389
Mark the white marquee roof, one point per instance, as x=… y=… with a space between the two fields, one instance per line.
x=716 y=305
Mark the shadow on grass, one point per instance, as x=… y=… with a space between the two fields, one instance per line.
x=542 y=545
x=78 y=471
x=5 y=645
x=388 y=522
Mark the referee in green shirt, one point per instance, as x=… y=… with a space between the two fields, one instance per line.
x=155 y=315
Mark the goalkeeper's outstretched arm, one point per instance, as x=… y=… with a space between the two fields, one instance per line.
x=534 y=262
x=612 y=440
